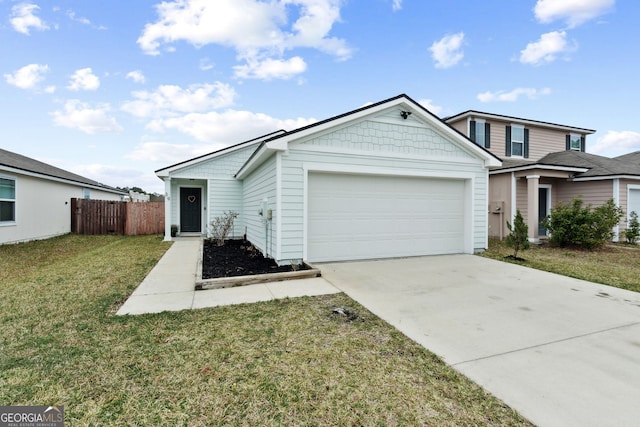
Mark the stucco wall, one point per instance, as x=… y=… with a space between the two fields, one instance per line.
x=43 y=208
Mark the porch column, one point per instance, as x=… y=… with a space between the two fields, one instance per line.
x=167 y=209
x=533 y=185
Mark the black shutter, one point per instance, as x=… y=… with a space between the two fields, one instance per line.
x=568 y=140
x=487 y=135
x=472 y=130
x=526 y=143
x=507 y=142
x=583 y=143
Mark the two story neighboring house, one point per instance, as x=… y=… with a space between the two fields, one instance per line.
x=544 y=164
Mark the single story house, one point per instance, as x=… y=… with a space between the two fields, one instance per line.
x=386 y=180
x=544 y=164
x=35 y=198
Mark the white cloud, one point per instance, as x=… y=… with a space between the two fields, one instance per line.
x=80 y=116
x=23 y=18
x=84 y=79
x=546 y=49
x=136 y=76
x=28 y=76
x=512 y=96
x=447 y=51
x=257 y=30
x=271 y=68
x=429 y=105
x=396 y=5
x=228 y=127
x=72 y=15
x=616 y=143
x=170 y=100
x=574 y=12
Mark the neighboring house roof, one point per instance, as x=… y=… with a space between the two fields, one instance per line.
x=630 y=157
x=492 y=116
x=280 y=141
x=584 y=165
x=22 y=164
x=186 y=163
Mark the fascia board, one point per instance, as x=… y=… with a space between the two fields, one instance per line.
x=539 y=166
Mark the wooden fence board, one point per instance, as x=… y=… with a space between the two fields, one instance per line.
x=112 y=217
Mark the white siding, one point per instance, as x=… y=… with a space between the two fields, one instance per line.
x=43 y=208
x=377 y=147
x=221 y=191
x=260 y=185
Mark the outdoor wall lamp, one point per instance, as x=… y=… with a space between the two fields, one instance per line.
x=405 y=114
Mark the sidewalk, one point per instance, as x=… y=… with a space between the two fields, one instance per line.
x=170 y=286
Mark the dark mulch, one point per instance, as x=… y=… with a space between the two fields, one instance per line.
x=237 y=258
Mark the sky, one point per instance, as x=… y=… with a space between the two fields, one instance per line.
x=114 y=90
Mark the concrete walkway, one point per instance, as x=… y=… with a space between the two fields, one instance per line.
x=561 y=351
x=170 y=286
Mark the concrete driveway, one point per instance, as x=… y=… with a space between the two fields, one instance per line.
x=560 y=351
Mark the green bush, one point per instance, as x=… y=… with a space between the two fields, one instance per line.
x=632 y=233
x=518 y=238
x=578 y=225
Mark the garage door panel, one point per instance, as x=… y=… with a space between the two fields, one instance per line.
x=364 y=216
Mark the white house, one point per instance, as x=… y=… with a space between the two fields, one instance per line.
x=35 y=198
x=386 y=180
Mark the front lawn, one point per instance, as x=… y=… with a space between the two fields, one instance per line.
x=287 y=362
x=614 y=265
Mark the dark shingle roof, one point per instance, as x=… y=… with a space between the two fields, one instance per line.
x=630 y=157
x=598 y=166
x=27 y=164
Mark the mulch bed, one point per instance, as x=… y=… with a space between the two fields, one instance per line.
x=237 y=258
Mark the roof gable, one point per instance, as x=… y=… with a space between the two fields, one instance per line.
x=402 y=105
x=166 y=171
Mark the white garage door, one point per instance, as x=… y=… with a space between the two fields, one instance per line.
x=368 y=216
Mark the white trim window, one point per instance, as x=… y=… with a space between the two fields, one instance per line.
x=575 y=142
x=517 y=141
x=7 y=200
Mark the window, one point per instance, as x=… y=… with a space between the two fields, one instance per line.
x=575 y=142
x=7 y=200
x=517 y=140
x=479 y=132
x=86 y=193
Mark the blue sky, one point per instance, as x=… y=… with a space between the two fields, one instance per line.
x=114 y=90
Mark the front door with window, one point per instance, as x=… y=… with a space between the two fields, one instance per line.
x=190 y=210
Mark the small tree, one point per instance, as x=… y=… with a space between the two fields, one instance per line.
x=518 y=238
x=632 y=233
x=221 y=226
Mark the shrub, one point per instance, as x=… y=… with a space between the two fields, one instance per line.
x=632 y=233
x=578 y=225
x=221 y=226
x=518 y=238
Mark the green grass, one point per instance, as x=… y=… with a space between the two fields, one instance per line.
x=614 y=265
x=286 y=362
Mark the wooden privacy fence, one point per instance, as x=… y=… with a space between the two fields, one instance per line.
x=112 y=217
